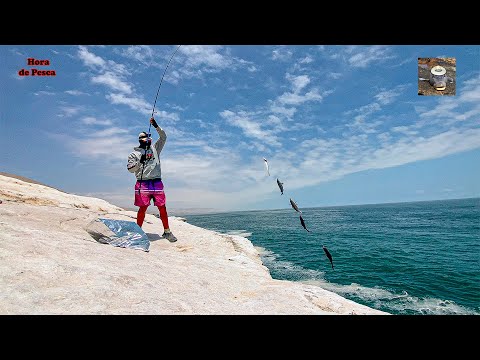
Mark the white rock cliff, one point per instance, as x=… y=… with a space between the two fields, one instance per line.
x=49 y=264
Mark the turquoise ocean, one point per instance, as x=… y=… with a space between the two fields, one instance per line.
x=403 y=258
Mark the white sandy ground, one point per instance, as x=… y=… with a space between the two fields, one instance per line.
x=50 y=265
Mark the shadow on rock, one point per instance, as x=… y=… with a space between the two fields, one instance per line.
x=153 y=237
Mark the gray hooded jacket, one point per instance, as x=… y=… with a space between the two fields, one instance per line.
x=152 y=168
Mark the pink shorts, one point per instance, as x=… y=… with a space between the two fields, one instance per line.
x=149 y=189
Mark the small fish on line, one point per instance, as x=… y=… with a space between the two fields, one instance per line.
x=266 y=166
x=328 y=255
x=294 y=206
x=303 y=223
x=280 y=185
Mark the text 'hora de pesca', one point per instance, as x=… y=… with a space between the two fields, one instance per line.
x=35 y=71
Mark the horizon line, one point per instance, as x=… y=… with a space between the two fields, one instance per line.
x=336 y=206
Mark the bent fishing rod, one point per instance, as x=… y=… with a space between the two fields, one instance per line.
x=161 y=81
x=153 y=111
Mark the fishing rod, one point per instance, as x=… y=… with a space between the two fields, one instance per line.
x=153 y=111
x=161 y=81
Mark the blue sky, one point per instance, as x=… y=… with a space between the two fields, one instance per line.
x=338 y=124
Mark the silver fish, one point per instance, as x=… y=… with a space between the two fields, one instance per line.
x=328 y=255
x=280 y=185
x=303 y=223
x=294 y=205
x=266 y=165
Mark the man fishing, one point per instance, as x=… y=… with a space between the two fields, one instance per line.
x=144 y=162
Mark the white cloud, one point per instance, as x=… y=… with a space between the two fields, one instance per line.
x=42 y=92
x=113 y=81
x=205 y=55
x=90 y=59
x=135 y=103
x=194 y=61
x=334 y=75
x=107 y=132
x=140 y=105
x=404 y=130
x=68 y=111
x=406 y=61
x=108 y=72
x=114 y=147
x=94 y=121
x=166 y=115
x=351 y=48
x=238 y=87
x=298 y=82
x=296 y=99
x=387 y=97
x=281 y=54
x=384 y=97
x=325 y=160
x=75 y=92
x=363 y=56
x=282 y=110
x=468 y=114
x=141 y=53
x=364 y=111
x=18 y=52
x=335 y=56
x=306 y=60
x=93 y=149
x=274 y=120
x=364 y=127
x=118 y=69
x=444 y=109
x=197 y=198
x=176 y=107
x=471 y=90
x=250 y=128
x=197 y=169
x=407 y=150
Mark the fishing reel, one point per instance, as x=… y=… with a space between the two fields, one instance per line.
x=147 y=156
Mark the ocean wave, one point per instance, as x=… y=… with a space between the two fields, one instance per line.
x=243 y=233
x=403 y=303
x=375 y=297
x=286 y=269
